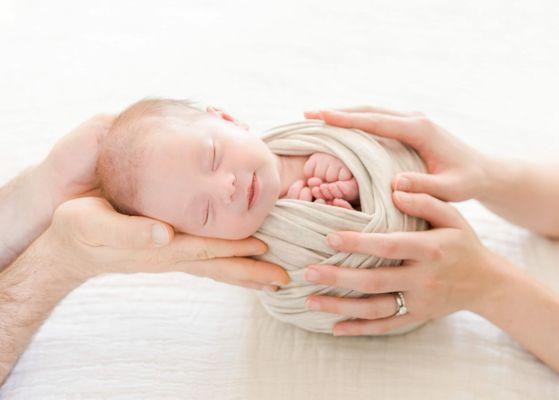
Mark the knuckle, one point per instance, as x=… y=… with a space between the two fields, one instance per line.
x=371 y=283
x=203 y=252
x=388 y=247
x=374 y=313
x=430 y=284
x=424 y=122
x=217 y=275
x=435 y=253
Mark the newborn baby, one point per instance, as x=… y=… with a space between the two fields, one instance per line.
x=205 y=174
x=201 y=171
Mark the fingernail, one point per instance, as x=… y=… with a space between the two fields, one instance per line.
x=312 y=305
x=269 y=288
x=261 y=250
x=338 y=332
x=276 y=283
x=334 y=240
x=159 y=235
x=403 y=183
x=402 y=197
x=312 y=111
x=312 y=275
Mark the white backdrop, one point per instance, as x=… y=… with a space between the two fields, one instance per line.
x=486 y=70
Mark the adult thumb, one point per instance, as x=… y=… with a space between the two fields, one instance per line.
x=98 y=224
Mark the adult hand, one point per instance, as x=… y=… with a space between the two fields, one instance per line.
x=29 y=200
x=445 y=269
x=87 y=237
x=456 y=171
x=70 y=165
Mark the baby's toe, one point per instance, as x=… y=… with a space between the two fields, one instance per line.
x=342 y=203
x=335 y=190
x=314 y=181
x=317 y=193
x=326 y=192
x=305 y=194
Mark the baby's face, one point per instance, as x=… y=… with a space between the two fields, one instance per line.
x=199 y=178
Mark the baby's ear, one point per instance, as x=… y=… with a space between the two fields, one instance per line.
x=218 y=112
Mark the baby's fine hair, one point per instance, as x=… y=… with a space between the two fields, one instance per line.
x=121 y=150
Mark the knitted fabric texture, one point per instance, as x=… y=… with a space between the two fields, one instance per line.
x=295 y=231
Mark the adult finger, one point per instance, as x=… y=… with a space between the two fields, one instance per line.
x=393 y=245
x=233 y=269
x=190 y=247
x=378 y=306
x=436 y=185
x=374 y=109
x=375 y=280
x=438 y=213
x=381 y=326
x=390 y=126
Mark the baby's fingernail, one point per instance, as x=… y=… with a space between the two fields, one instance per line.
x=403 y=183
x=312 y=275
x=312 y=305
x=269 y=288
x=159 y=235
x=334 y=240
x=402 y=197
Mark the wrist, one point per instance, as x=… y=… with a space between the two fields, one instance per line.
x=27 y=207
x=498 y=174
x=496 y=277
x=486 y=183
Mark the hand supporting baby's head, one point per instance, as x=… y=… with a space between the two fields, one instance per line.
x=196 y=170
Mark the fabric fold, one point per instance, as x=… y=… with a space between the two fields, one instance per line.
x=295 y=231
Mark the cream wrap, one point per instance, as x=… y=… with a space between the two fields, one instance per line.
x=295 y=231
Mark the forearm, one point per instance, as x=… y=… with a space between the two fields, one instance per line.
x=26 y=207
x=524 y=308
x=525 y=193
x=29 y=291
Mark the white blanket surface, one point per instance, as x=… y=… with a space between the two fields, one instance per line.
x=486 y=70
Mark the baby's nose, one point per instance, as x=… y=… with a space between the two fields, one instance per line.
x=230 y=187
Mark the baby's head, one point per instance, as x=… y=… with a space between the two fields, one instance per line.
x=194 y=169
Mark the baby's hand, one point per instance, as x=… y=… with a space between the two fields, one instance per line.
x=328 y=178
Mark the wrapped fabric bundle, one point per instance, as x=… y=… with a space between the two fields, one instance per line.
x=295 y=231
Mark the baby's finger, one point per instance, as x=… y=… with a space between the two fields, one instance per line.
x=315 y=191
x=295 y=189
x=326 y=192
x=345 y=174
x=342 y=203
x=314 y=181
x=308 y=169
x=335 y=190
x=305 y=194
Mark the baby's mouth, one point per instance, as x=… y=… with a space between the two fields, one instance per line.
x=252 y=191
